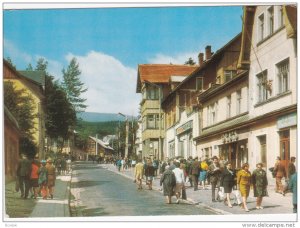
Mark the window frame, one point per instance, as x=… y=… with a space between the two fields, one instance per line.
x=261 y=27
x=261 y=88
x=271 y=25
x=279 y=76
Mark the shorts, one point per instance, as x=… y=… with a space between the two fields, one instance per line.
x=179 y=187
x=149 y=178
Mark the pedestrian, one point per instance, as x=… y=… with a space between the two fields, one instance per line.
x=23 y=174
x=43 y=177
x=280 y=172
x=260 y=183
x=291 y=167
x=179 y=175
x=203 y=173
x=58 y=165
x=163 y=166
x=34 y=177
x=133 y=163
x=69 y=165
x=63 y=165
x=189 y=170
x=168 y=180
x=195 y=171
x=51 y=177
x=119 y=164
x=293 y=188
x=214 y=175
x=227 y=182
x=149 y=173
x=243 y=183
x=139 y=173
x=183 y=168
x=155 y=165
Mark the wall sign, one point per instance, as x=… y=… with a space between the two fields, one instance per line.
x=229 y=137
x=185 y=127
x=287 y=120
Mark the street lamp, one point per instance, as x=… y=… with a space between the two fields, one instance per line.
x=127 y=129
x=160 y=153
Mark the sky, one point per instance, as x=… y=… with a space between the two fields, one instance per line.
x=109 y=43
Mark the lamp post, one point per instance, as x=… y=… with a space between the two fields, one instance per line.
x=160 y=153
x=127 y=129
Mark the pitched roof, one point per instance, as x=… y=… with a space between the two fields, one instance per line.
x=101 y=143
x=37 y=76
x=161 y=73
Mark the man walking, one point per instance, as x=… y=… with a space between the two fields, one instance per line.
x=195 y=171
x=138 y=173
x=214 y=173
x=23 y=173
x=179 y=175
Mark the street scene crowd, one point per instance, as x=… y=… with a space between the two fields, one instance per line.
x=215 y=174
x=37 y=177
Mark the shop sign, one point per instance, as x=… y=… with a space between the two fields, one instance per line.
x=185 y=127
x=229 y=137
x=287 y=120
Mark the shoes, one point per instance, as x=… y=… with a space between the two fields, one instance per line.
x=247 y=210
x=261 y=207
x=257 y=208
x=230 y=206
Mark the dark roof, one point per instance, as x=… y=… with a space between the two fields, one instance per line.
x=37 y=76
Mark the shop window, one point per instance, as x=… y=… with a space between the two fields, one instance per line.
x=283 y=76
x=263 y=149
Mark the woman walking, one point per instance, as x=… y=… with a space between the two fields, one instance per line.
x=244 y=182
x=51 y=177
x=168 y=180
x=149 y=173
x=260 y=183
x=43 y=177
x=34 y=177
x=227 y=182
x=203 y=173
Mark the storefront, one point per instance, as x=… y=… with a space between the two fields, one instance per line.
x=184 y=135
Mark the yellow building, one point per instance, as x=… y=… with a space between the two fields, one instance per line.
x=34 y=84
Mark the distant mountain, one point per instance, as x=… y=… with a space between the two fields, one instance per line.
x=102 y=117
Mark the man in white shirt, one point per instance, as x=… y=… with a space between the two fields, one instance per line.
x=179 y=175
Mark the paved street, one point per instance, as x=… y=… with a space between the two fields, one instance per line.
x=100 y=192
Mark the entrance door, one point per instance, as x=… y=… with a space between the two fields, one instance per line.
x=285 y=147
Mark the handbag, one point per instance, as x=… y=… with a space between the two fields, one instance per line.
x=17 y=185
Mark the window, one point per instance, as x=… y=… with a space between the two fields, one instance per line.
x=153 y=121
x=238 y=102
x=280 y=17
x=152 y=93
x=283 y=76
x=261 y=26
x=144 y=123
x=199 y=83
x=229 y=74
x=172 y=149
x=261 y=86
x=271 y=20
x=212 y=113
x=228 y=106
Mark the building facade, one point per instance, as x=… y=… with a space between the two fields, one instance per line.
x=153 y=82
x=97 y=147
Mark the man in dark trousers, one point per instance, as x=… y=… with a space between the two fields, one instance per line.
x=215 y=174
x=195 y=171
x=23 y=173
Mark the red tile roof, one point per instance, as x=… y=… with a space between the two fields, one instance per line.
x=161 y=73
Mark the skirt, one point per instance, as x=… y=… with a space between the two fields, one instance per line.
x=244 y=189
x=203 y=175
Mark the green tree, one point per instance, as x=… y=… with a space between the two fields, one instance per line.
x=190 y=61
x=42 y=65
x=73 y=86
x=20 y=104
x=29 y=67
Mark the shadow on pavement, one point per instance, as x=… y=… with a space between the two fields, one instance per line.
x=83 y=184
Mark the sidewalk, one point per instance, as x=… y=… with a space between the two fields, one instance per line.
x=274 y=204
x=16 y=207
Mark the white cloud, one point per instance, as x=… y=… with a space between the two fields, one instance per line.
x=17 y=56
x=177 y=59
x=111 y=85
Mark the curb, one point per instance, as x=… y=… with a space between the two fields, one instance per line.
x=188 y=200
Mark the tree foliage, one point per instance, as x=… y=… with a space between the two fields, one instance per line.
x=190 y=61
x=20 y=104
x=73 y=86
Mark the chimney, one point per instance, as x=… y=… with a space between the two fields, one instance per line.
x=207 y=52
x=201 y=58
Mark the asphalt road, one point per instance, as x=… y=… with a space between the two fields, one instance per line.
x=100 y=192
